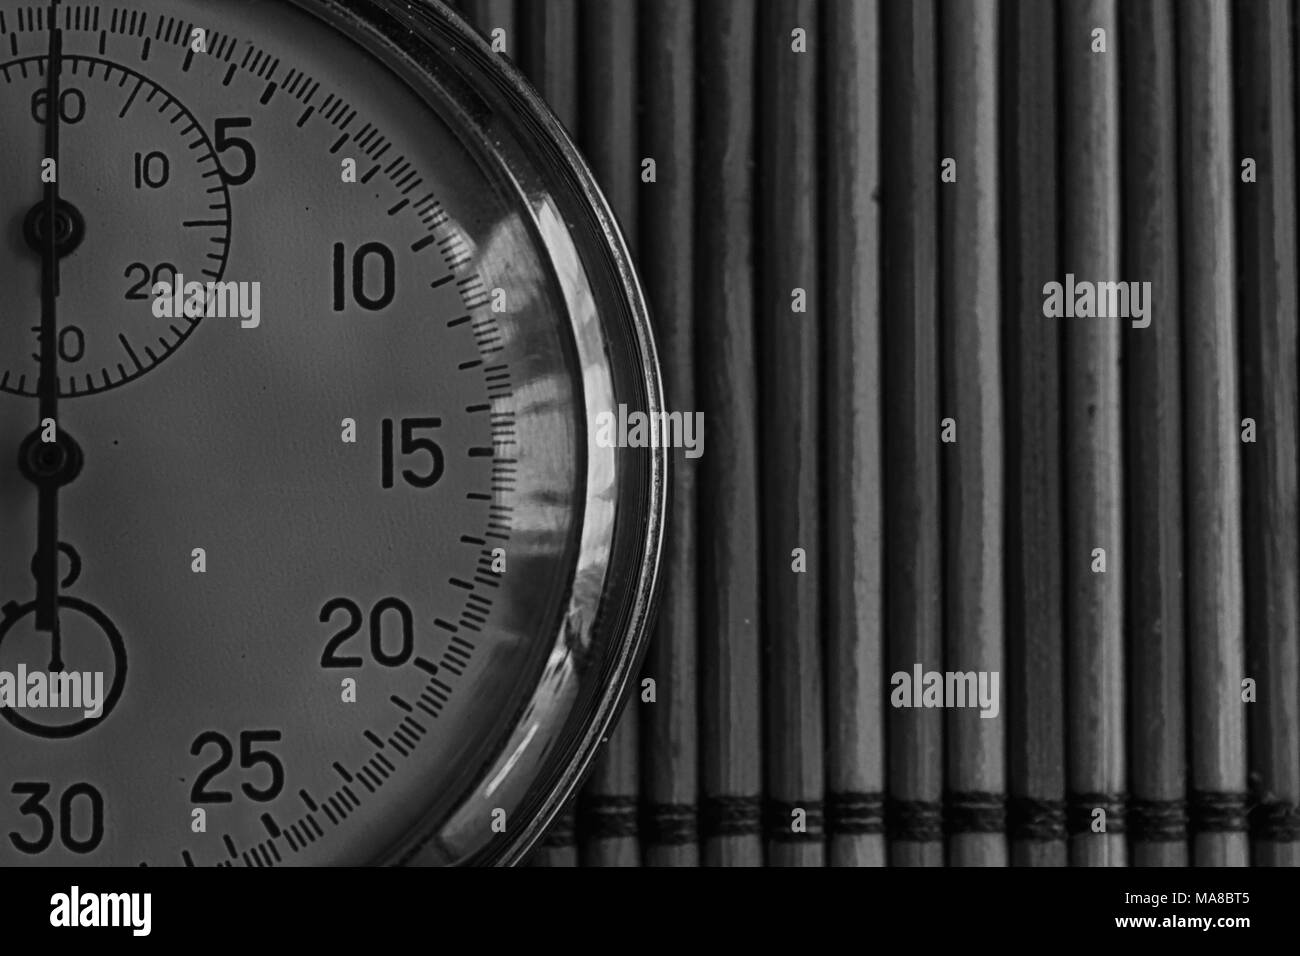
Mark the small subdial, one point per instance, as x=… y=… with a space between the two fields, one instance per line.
x=144 y=199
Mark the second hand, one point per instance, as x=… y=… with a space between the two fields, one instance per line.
x=47 y=537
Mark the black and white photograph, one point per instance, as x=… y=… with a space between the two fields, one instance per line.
x=655 y=435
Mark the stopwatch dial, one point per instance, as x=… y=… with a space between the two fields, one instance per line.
x=147 y=168
x=314 y=554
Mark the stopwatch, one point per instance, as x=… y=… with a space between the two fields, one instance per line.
x=312 y=555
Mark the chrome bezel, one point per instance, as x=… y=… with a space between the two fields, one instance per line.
x=595 y=651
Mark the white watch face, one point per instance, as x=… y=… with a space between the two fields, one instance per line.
x=324 y=534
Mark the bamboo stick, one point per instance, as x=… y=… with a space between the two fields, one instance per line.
x=855 y=659
x=790 y=385
x=1208 y=180
x=667 y=217
x=1092 y=420
x=910 y=176
x=549 y=44
x=1035 y=685
x=1153 y=439
x=558 y=847
x=608 y=811
x=971 y=315
x=1266 y=217
x=732 y=757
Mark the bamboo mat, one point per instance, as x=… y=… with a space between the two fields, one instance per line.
x=853 y=210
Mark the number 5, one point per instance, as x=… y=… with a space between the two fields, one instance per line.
x=224 y=141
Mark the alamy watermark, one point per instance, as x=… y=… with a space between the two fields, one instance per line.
x=209 y=300
x=624 y=429
x=133 y=911
x=79 y=690
x=922 y=688
x=1100 y=300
